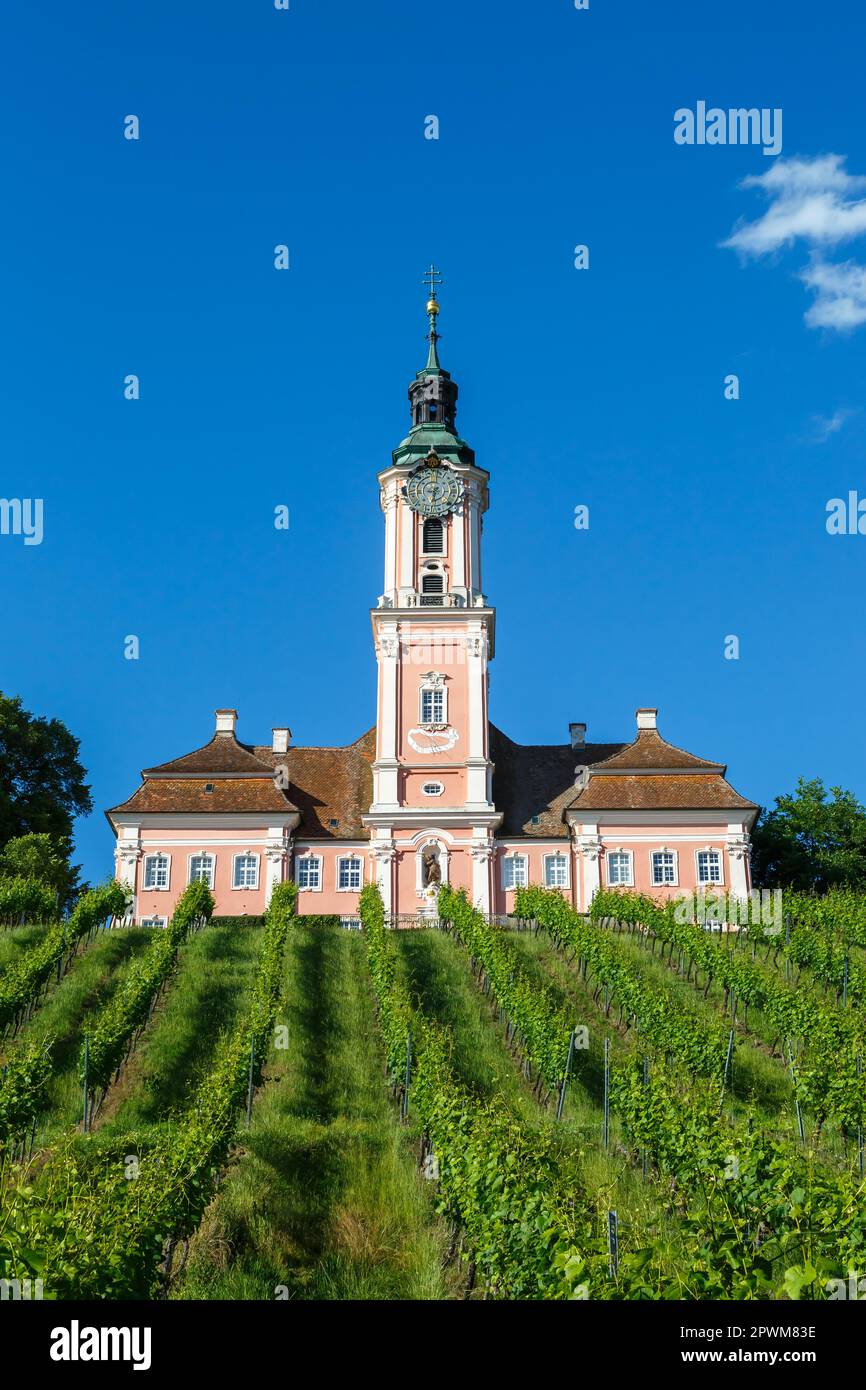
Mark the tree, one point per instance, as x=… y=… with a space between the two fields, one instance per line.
x=46 y=859
x=812 y=840
x=42 y=786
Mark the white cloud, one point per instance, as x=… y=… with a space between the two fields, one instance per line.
x=812 y=200
x=840 y=294
x=825 y=425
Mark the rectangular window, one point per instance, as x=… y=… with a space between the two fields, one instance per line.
x=156 y=871
x=619 y=867
x=709 y=866
x=309 y=873
x=349 y=874
x=514 y=872
x=555 y=871
x=153 y=921
x=201 y=869
x=246 y=873
x=432 y=706
x=664 y=866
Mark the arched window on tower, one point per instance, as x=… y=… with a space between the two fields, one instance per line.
x=434 y=536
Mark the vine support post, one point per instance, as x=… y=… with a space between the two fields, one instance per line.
x=250 y=1082
x=787 y=944
x=606 y=1123
x=613 y=1244
x=561 y=1102
x=404 y=1109
x=646 y=1084
x=859 y=1127
x=728 y=1058
x=86 y=1062
x=800 y=1128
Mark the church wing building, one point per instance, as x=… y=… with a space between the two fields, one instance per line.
x=434 y=792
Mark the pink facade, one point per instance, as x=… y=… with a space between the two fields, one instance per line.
x=434 y=792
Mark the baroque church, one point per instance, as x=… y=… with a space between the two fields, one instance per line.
x=434 y=792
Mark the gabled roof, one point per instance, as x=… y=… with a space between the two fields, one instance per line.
x=649 y=750
x=224 y=754
x=667 y=792
x=180 y=796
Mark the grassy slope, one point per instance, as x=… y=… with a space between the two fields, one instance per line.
x=324 y=1200
x=14 y=940
x=205 y=997
x=90 y=983
x=438 y=968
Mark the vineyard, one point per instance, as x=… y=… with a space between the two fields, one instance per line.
x=620 y=1106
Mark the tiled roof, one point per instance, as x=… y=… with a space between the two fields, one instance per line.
x=668 y=792
x=538 y=780
x=166 y=795
x=329 y=784
x=324 y=784
x=222 y=754
x=650 y=750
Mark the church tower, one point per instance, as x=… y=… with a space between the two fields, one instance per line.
x=432 y=817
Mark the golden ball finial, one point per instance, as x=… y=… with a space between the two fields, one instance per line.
x=432 y=306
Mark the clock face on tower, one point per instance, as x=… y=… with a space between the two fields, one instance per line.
x=434 y=491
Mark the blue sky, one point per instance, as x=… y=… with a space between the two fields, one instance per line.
x=602 y=387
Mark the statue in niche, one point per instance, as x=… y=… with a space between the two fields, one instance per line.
x=432 y=871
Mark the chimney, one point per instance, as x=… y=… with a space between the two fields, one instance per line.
x=646 y=718
x=226 y=720
x=280 y=742
x=578 y=735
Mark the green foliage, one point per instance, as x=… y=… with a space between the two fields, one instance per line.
x=834 y=1041
x=756 y=1212
x=701 y=1049
x=23 y=1081
x=23 y=980
x=42 y=787
x=26 y=900
x=527 y=1222
x=811 y=841
x=108 y=1036
x=102 y=1233
x=545 y=1031
x=44 y=858
x=236 y=923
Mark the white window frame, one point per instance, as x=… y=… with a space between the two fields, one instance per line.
x=669 y=882
x=202 y=854
x=438 y=788
x=309 y=859
x=245 y=887
x=154 y=920
x=509 y=862
x=156 y=887
x=434 y=690
x=709 y=882
x=629 y=858
x=346 y=859
x=557 y=854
